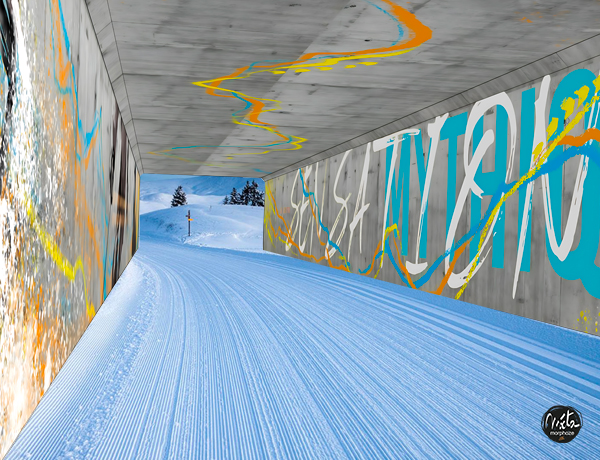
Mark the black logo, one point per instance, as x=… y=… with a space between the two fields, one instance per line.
x=561 y=423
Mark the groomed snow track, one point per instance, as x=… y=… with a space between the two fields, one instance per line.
x=217 y=354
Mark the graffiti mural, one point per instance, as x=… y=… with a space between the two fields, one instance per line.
x=496 y=204
x=68 y=184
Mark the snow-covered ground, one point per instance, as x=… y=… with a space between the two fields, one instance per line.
x=201 y=352
x=215 y=354
x=213 y=225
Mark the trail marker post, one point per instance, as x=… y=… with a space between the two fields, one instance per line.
x=189 y=218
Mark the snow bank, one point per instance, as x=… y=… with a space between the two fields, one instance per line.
x=214 y=225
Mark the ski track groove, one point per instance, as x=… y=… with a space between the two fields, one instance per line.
x=217 y=354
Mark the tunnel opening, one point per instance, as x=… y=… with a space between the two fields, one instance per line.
x=205 y=211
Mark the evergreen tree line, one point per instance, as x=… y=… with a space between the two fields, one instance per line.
x=250 y=196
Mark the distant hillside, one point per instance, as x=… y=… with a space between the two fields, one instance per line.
x=153 y=184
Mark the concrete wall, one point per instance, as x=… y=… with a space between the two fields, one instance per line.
x=68 y=202
x=514 y=226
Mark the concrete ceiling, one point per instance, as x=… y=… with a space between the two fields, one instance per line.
x=156 y=49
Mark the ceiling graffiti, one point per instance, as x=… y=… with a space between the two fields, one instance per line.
x=223 y=87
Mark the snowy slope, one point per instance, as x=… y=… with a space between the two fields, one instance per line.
x=214 y=354
x=214 y=225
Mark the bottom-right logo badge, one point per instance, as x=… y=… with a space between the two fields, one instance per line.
x=562 y=423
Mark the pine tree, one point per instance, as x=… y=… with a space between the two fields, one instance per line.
x=226 y=200
x=252 y=193
x=257 y=197
x=179 y=198
x=235 y=197
x=246 y=194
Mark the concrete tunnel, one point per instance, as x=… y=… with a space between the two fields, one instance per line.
x=449 y=147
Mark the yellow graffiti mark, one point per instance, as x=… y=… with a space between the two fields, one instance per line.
x=568 y=105
x=68 y=269
x=552 y=127
x=538 y=151
x=582 y=94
